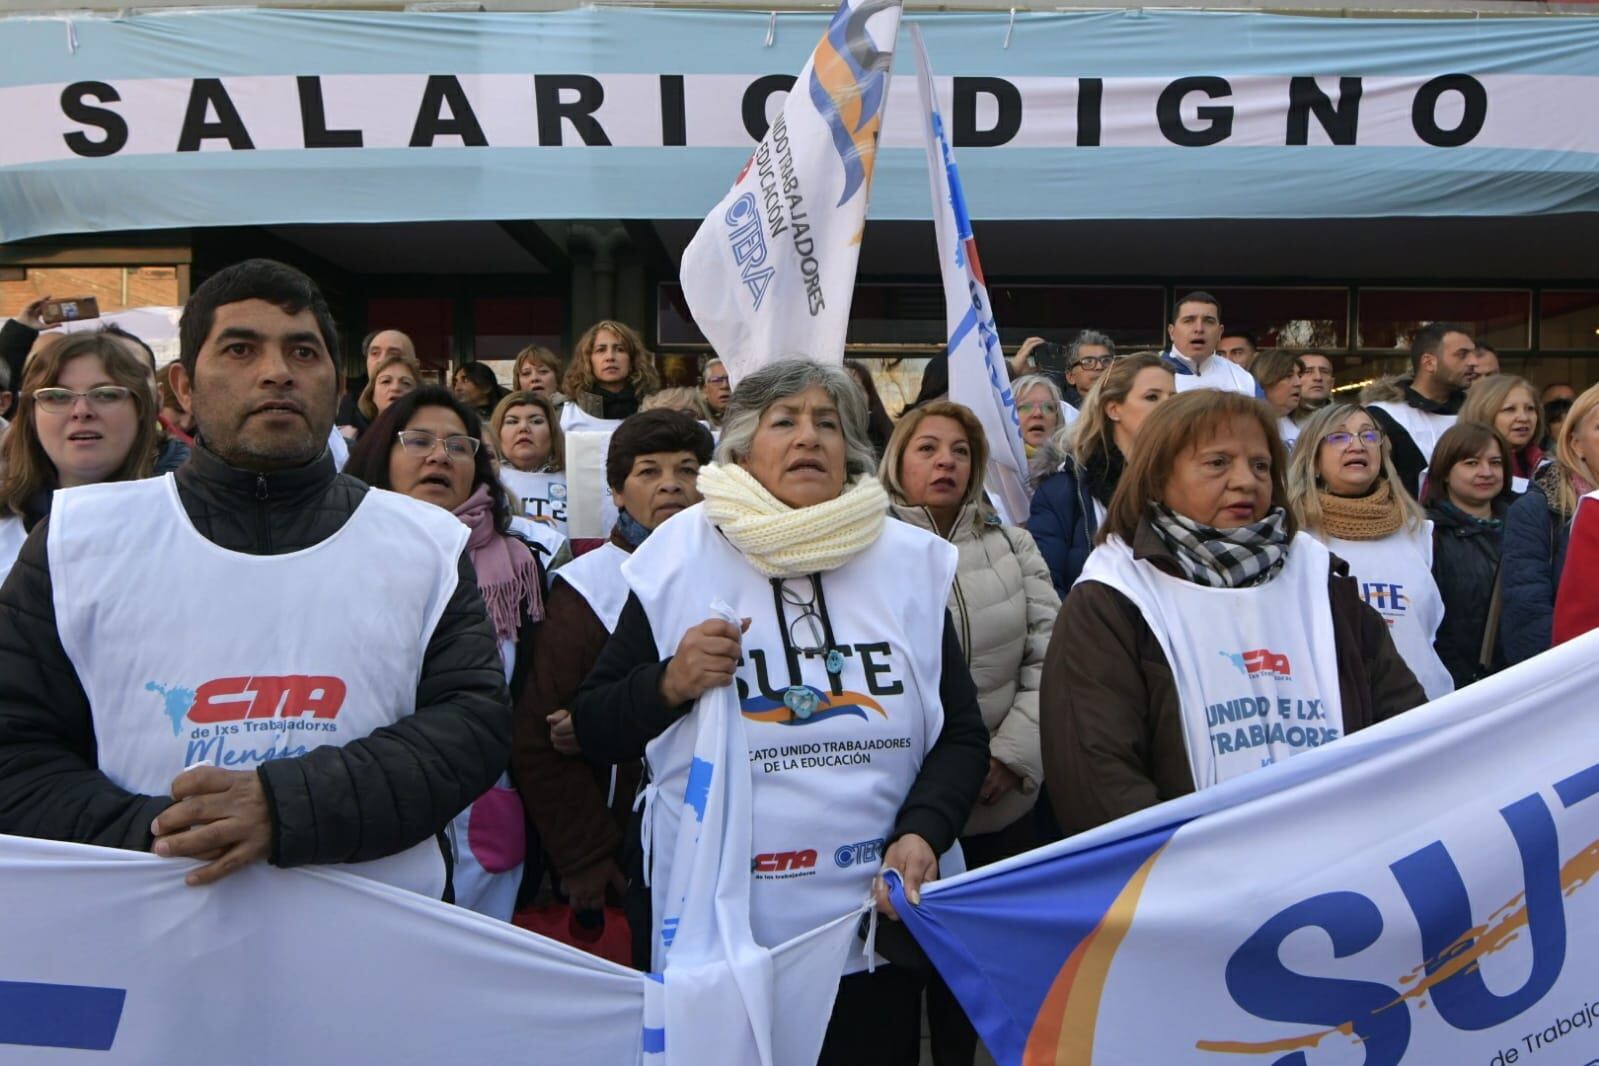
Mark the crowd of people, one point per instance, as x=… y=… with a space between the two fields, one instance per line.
x=348 y=625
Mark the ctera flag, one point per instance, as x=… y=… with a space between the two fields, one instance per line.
x=1420 y=892
x=772 y=268
x=977 y=374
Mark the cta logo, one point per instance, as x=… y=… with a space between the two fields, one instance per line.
x=234 y=699
x=866 y=853
x=747 y=240
x=1261 y=663
x=777 y=865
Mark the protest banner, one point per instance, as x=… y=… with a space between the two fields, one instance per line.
x=1419 y=892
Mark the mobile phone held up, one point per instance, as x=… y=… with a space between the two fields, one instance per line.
x=58 y=311
x=1050 y=357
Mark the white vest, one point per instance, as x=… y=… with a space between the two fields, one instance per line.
x=1256 y=669
x=597 y=577
x=1395 y=577
x=278 y=654
x=1424 y=427
x=541 y=537
x=1288 y=429
x=825 y=789
x=1217 y=372
x=12 y=536
x=543 y=495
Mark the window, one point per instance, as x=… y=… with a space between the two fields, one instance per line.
x=1131 y=315
x=1568 y=321
x=1285 y=317
x=1389 y=318
x=428 y=320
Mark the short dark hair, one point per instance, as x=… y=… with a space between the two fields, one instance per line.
x=1254 y=342
x=117 y=331
x=254 y=279
x=654 y=431
x=1200 y=297
x=1461 y=441
x=369 y=459
x=1481 y=347
x=1429 y=340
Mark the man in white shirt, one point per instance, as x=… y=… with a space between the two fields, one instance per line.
x=1195 y=330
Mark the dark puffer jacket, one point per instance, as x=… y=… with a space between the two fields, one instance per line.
x=1465 y=563
x=1534 y=553
x=327 y=806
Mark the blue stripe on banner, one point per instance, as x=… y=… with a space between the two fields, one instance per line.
x=1578 y=786
x=66 y=1016
x=654 y=1041
x=658 y=978
x=697 y=793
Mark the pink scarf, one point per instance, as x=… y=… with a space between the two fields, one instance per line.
x=506 y=574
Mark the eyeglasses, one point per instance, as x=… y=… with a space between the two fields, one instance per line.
x=420 y=444
x=720 y=379
x=809 y=616
x=1033 y=408
x=1343 y=437
x=1094 y=362
x=100 y=397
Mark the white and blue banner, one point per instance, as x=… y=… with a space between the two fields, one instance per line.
x=771 y=270
x=978 y=376
x=1421 y=892
x=166 y=120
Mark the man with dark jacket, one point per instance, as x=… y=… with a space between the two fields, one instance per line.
x=364 y=706
x=1414 y=414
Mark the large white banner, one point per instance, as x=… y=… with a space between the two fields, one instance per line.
x=1421 y=892
x=771 y=270
x=977 y=373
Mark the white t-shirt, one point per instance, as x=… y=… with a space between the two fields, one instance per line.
x=12 y=534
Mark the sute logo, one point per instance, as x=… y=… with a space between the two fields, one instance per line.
x=867 y=852
x=777 y=862
x=233 y=699
x=1385 y=596
x=1260 y=661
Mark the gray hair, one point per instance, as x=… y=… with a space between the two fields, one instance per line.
x=787 y=377
x=1030 y=381
x=1090 y=338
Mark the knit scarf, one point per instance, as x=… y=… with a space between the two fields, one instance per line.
x=784 y=541
x=1224 y=558
x=506 y=574
x=1370 y=517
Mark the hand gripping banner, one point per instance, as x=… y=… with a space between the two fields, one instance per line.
x=1420 y=892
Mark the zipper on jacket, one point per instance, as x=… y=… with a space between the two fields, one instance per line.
x=261 y=495
x=960 y=595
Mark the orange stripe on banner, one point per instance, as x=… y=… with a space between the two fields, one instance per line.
x=1063 y=1031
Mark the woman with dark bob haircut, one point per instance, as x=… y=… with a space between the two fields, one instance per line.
x=429 y=445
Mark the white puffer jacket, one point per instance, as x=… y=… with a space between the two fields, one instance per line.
x=1004 y=606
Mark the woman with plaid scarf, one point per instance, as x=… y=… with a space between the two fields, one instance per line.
x=1207 y=635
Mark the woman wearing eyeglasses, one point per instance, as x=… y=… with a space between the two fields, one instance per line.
x=427 y=445
x=1344 y=490
x=88 y=415
x=847 y=655
x=1038 y=406
x=1208 y=635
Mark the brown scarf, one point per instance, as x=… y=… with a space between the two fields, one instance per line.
x=1370 y=517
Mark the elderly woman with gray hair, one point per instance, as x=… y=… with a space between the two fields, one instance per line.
x=838 y=654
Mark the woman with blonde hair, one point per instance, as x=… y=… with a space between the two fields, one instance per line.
x=1537 y=528
x=1203 y=610
x=538 y=369
x=1344 y=490
x=1078 y=470
x=611 y=372
x=528 y=434
x=88 y=415
x=1510 y=405
x=684 y=400
x=1004 y=606
x=392 y=378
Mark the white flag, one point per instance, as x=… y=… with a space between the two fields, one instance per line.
x=772 y=268
x=977 y=374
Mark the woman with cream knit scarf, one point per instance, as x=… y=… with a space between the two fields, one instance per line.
x=1343 y=488
x=867 y=744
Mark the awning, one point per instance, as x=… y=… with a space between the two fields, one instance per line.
x=174 y=120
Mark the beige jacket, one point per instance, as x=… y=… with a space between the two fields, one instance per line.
x=1004 y=607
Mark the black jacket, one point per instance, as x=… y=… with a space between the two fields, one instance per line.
x=16 y=340
x=1465 y=564
x=618 y=710
x=370 y=798
x=1534 y=553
